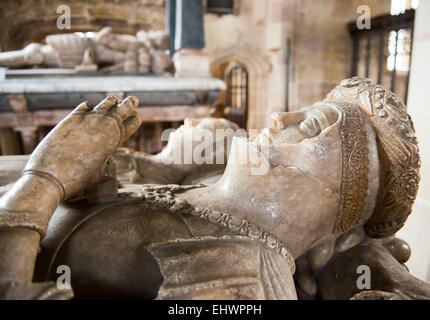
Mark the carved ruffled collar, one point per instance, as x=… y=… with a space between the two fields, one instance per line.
x=164 y=197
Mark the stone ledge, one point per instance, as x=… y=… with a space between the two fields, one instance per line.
x=107 y=84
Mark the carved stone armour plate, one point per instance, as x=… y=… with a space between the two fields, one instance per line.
x=116 y=250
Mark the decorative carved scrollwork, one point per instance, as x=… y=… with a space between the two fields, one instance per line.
x=355 y=168
x=398 y=152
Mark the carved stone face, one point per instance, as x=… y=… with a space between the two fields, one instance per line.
x=294 y=127
x=202 y=134
x=297 y=198
x=308 y=139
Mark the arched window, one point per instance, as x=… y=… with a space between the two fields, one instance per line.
x=383 y=53
x=400 y=41
x=236 y=78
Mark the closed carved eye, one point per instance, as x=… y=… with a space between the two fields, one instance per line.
x=310 y=127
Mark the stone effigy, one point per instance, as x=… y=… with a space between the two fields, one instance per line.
x=326 y=191
x=139 y=167
x=105 y=52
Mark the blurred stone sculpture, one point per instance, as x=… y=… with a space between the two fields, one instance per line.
x=163 y=168
x=140 y=167
x=324 y=190
x=104 y=51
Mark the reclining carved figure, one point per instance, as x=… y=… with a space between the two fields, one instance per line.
x=213 y=135
x=340 y=179
x=140 y=167
x=105 y=51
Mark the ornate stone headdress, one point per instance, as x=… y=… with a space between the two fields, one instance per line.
x=398 y=155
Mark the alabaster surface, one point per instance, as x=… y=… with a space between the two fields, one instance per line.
x=140 y=167
x=322 y=192
x=173 y=164
x=104 y=51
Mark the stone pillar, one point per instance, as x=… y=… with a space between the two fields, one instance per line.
x=9 y=142
x=415 y=231
x=28 y=138
x=189 y=58
x=25 y=125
